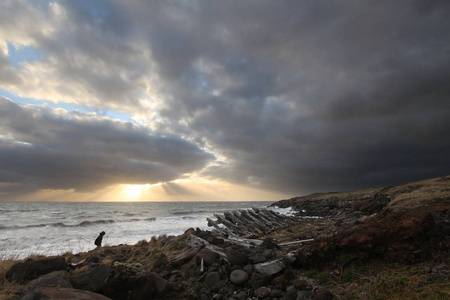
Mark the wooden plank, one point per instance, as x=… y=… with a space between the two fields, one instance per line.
x=263 y=227
x=258 y=214
x=251 y=226
x=230 y=217
x=295 y=242
x=261 y=219
x=185 y=256
x=235 y=229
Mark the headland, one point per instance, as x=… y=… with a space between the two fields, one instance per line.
x=379 y=243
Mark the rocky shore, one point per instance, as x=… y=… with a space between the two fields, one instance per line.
x=381 y=243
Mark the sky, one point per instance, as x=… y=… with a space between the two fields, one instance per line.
x=200 y=100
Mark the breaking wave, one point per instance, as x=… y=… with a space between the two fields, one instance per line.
x=81 y=224
x=191 y=212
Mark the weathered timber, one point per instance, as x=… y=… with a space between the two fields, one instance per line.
x=243 y=242
x=185 y=256
x=235 y=229
x=248 y=223
x=198 y=241
x=270 y=268
x=296 y=242
x=230 y=217
x=264 y=214
x=282 y=218
x=233 y=219
x=263 y=227
x=215 y=224
x=256 y=213
x=269 y=225
x=241 y=217
x=261 y=214
x=276 y=216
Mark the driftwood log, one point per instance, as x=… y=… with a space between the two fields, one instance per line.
x=248 y=224
x=243 y=228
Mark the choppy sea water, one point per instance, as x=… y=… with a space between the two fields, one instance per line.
x=56 y=228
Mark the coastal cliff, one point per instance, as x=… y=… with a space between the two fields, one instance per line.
x=380 y=243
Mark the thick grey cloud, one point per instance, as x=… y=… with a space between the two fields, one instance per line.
x=46 y=149
x=294 y=96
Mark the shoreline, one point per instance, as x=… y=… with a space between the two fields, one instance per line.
x=53 y=229
x=362 y=243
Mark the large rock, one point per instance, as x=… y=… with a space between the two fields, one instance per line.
x=130 y=281
x=54 y=279
x=54 y=293
x=32 y=269
x=258 y=280
x=259 y=258
x=92 y=281
x=212 y=278
x=150 y=286
x=270 y=268
x=238 y=277
x=304 y=295
x=208 y=255
x=262 y=292
x=323 y=294
x=269 y=243
x=236 y=257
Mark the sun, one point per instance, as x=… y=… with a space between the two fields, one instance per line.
x=134 y=191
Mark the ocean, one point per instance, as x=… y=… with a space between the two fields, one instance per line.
x=54 y=228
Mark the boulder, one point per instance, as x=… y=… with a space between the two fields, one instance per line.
x=242 y=295
x=55 y=293
x=270 y=268
x=248 y=269
x=32 y=269
x=257 y=280
x=209 y=256
x=150 y=286
x=238 y=277
x=304 y=295
x=276 y=293
x=93 y=280
x=323 y=294
x=290 y=258
x=269 y=243
x=262 y=292
x=303 y=283
x=236 y=257
x=54 y=279
x=212 y=278
x=259 y=258
x=290 y=295
x=130 y=281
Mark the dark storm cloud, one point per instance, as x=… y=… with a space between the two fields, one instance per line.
x=297 y=96
x=48 y=149
x=312 y=96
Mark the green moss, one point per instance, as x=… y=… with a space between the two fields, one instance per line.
x=68 y=256
x=320 y=277
x=347 y=275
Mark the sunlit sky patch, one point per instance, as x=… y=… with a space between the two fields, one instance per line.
x=23 y=54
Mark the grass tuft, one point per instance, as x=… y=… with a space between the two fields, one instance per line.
x=8 y=289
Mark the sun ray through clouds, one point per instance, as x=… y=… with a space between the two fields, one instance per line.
x=134 y=192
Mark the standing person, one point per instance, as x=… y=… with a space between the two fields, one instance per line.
x=98 y=240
